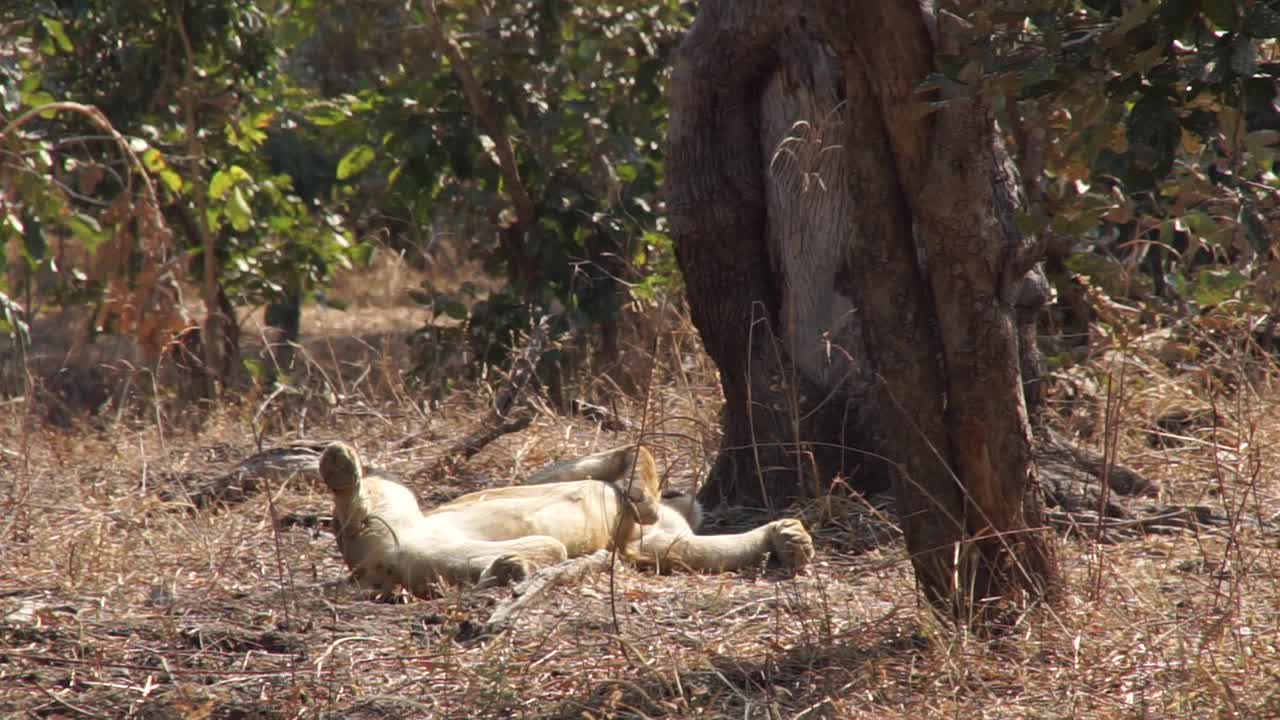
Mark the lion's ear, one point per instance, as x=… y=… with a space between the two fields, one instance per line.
x=641 y=486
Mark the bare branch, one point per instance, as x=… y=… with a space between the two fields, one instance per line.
x=96 y=117
x=215 y=323
x=488 y=120
x=539 y=583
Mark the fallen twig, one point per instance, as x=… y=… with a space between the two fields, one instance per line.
x=537 y=584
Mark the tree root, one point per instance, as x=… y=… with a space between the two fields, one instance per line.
x=1073 y=478
x=1082 y=505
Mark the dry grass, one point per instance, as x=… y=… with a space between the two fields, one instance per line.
x=115 y=603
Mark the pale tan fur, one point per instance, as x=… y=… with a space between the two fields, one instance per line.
x=603 y=501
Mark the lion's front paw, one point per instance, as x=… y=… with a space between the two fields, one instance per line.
x=506 y=570
x=792 y=544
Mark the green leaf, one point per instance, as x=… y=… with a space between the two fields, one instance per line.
x=171 y=180
x=153 y=160
x=13 y=320
x=250 y=131
x=14 y=223
x=354 y=161
x=328 y=117
x=220 y=184
x=34 y=246
x=224 y=180
x=37 y=98
x=282 y=223
x=55 y=29
x=239 y=212
x=257 y=370
x=360 y=253
x=87 y=230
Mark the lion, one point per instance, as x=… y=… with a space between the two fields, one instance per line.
x=606 y=501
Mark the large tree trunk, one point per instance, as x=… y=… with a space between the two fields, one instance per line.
x=853 y=267
x=766 y=275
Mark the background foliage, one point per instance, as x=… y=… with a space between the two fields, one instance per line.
x=1147 y=136
x=198 y=91
x=299 y=133
x=322 y=123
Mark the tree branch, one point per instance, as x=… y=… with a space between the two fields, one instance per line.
x=213 y=333
x=96 y=117
x=526 y=212
x=538 y=584
x=500 y=420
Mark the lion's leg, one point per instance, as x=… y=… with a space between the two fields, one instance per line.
x=662 y=548
x=423 y=562
x=608 y=465
x=371 y=559
x=371 y=514
x=629 y=467
x=366 y=541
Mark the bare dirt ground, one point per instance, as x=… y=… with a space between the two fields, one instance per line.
x=118 y=599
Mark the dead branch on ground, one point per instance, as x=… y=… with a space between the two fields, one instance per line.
x=534 y=587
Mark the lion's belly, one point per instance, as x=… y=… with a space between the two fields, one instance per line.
x=581 y=515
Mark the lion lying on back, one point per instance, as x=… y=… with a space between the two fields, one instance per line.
x=607 y=501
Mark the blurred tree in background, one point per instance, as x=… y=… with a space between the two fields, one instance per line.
x=281 y=132
x=197 y=89
x=541 y=126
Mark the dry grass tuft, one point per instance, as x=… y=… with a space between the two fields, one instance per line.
x=118 y=602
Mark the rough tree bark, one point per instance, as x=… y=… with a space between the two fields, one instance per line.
x=852 y=265
x=778 y=420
